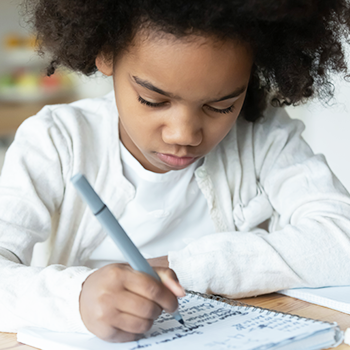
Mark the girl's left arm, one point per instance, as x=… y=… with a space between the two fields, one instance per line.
x=310 y=246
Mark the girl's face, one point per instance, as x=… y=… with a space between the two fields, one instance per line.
x=177 y=98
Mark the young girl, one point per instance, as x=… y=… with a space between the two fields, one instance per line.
x=210 y=181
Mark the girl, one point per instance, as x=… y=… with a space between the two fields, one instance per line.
x=211 y=182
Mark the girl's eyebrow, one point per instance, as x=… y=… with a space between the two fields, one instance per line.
x=146 y=84
x=235 y=93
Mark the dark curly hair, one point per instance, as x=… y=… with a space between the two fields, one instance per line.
x=297 y=44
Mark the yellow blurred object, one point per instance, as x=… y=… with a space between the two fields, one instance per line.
x=28 y=82
x=12 y=41
x=15 y=41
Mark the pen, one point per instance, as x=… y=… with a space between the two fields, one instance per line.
x=115 y=231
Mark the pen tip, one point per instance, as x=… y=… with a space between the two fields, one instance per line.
x=181 y=321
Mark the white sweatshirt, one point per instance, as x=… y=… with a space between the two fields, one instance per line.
x=260 y=171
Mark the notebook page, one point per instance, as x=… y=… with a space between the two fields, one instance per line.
x=210 y=324
x=337 y=298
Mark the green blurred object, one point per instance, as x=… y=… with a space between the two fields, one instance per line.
x=6 y=80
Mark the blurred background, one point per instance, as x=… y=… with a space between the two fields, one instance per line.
x=24 y=90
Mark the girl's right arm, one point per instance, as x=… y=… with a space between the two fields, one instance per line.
x=114 y=302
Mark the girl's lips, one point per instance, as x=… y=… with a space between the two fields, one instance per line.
x=178 y=162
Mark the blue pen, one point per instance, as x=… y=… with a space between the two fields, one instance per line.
x=115 y=231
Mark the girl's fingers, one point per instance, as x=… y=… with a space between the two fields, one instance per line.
x=116 y=335
x=137 y=305
x=169 y=279
x=146 y=286
x=129 y=323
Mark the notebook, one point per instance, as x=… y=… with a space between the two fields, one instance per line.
x=211 y=323
x=337 y=298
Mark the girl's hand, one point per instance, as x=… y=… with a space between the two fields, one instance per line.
x=119 y=304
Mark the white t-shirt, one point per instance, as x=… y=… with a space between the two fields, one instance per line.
x=167 y=213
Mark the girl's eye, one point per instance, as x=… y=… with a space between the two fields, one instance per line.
x=222 y=111
x=150 y=104
x=160 y=104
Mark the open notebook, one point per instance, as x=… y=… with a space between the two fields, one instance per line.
x=210 y=324
x=337 y=298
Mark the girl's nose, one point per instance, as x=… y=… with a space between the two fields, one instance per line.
x=183 y=129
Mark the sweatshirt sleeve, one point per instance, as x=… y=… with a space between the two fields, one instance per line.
x=310 y=246
x=32 y=186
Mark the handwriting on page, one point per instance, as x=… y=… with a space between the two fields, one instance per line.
x=210 y=324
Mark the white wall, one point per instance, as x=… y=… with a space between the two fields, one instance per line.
x=328 y=129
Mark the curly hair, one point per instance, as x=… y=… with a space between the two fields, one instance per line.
x=297 y=44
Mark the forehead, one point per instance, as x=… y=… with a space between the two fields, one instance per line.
x=193 y=65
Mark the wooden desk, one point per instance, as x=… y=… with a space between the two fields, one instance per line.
x=271 y=301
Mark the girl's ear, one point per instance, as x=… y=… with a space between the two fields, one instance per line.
x=103 y=65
